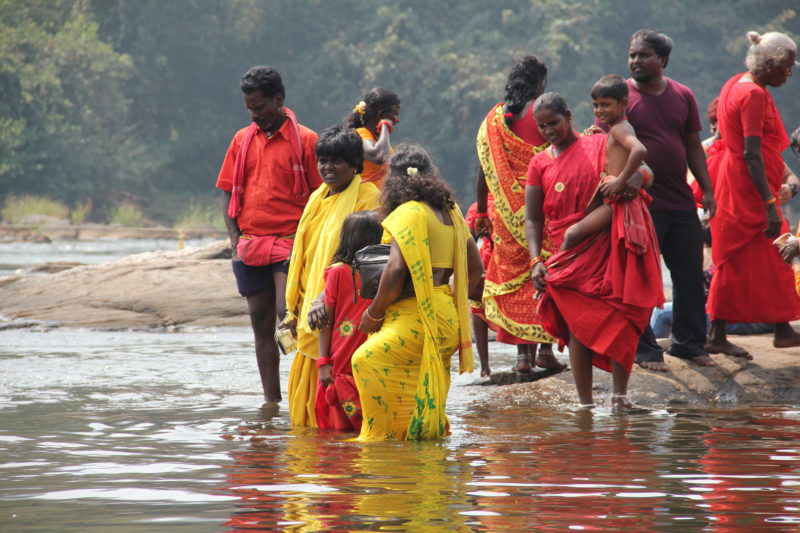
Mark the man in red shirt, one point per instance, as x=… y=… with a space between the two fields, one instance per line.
x=269 y=171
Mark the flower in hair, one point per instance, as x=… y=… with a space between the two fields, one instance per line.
x=412 y=171
x=361 y=108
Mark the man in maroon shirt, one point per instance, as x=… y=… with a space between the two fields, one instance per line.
x=664 y=114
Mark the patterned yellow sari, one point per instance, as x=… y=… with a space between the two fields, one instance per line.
x=314 y=246
x=403 y=371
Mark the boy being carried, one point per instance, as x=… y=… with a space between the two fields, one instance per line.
x=624 y=156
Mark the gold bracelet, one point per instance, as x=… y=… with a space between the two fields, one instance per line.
x=771 y=201
x=536 y=260
x=372 y=317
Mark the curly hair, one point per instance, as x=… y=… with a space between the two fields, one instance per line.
x=525 y=82
x=424 y=185
x=264 y=79
x=377 y=99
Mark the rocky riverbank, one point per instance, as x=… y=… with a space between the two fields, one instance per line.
x=148 y=290
x=50 y=229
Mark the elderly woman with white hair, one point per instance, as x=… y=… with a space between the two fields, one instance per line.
x=751 y=282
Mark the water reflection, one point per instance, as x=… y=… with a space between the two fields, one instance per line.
x=162 y=432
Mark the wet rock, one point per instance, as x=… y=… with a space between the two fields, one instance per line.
x=772 y=377
x=512 y=376
x=54 y=266
x=153 y=289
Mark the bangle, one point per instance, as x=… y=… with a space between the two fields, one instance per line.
x=481 y=215
x=536 y=260
x=388 y=125
x=321 y=361
x=366 y=311
x=771 y=201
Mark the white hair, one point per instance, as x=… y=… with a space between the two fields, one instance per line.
x=772 y=45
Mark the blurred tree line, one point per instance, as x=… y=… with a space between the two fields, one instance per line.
x=135 y=101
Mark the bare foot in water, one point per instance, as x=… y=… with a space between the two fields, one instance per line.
x=620 y=403
x=658 y=366
x=785 y=336
x=728 y=348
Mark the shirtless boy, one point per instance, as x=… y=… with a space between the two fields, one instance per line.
x=624 y=155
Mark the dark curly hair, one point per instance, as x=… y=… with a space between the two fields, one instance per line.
x=426 y=185
x=377 y=99
x=525 y=82
x=264 y=79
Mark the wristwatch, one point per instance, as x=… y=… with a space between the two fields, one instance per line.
x=794 y=188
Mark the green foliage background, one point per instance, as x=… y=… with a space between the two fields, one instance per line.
x=136 y=101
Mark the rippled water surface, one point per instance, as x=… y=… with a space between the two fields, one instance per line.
x=135 y=431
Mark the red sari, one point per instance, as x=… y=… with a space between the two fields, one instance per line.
x=338 y=406
x=751 y=282
x=603 y=290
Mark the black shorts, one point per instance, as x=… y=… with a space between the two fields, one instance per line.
x=250 y=280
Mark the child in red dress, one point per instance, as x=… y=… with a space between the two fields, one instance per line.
x=337 y=405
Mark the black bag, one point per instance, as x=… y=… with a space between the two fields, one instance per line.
x=370 y=262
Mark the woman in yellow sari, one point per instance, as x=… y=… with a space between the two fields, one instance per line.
x=340 y=158
x=403 y=371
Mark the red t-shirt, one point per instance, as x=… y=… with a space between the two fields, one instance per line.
x=268 y=206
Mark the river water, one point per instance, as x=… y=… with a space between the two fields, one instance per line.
x=134 y=431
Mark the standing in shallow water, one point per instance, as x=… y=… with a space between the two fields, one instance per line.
x=403 y=371
x=599 y=293
x=339 y=157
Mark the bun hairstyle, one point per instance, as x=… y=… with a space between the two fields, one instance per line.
x=414 y=177
x=772 y=45
x=374 y=101
x=553 y=102
x=526 y=79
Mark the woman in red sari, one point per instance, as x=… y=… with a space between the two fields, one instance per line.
x=598 y=295
x=507 y=140
x=751 y=282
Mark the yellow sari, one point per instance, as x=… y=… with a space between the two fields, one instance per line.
x=314 y=245
x=403 y=371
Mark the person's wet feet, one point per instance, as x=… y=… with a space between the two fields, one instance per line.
x=523 y=365
x=728 y=348
x=547 y=360
x=269 y=409
x=657 y=366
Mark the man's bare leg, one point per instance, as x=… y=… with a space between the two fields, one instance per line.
x=785 y=336
x=580 y=358
x=262 y=318
x=717 y=341
x=481 y=331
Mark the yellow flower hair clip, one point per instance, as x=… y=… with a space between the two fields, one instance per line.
x=412 y=171
x=361 y=108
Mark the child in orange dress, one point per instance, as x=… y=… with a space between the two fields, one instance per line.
x=338 y=405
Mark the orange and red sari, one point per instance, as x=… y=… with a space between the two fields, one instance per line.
x=508 y=293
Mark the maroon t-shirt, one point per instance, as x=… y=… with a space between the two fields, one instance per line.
x=662 y=123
